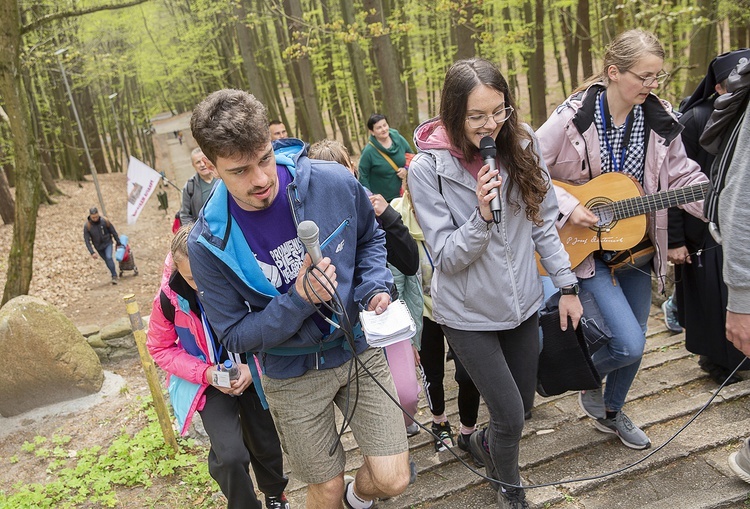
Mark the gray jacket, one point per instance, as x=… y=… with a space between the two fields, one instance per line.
x=483 y=279
x=734 y=217
x=192 y=199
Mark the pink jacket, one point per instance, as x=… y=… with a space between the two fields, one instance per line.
x=180 y=348
x=570 y=147
x=164 y=344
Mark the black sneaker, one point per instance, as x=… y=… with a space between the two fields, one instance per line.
x=444 y=435
x=512 y=498
x=114 y=280
x=279 y=502
x=478 y=449
x=465 y=445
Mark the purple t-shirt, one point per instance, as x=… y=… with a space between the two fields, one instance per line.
x=272 y=236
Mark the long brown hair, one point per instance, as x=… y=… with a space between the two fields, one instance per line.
x=624 y=52
x=523 y=163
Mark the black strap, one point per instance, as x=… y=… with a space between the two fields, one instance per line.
x=167 y=308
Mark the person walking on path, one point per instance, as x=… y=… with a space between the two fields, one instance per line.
x=242 y=433
x=382 y=165
x=432 y=352
x=197 y=189
x=614 y=123
x=262 y=293
x=494 y=332
x=698 y=258
x=727 y=135
x=98 y=234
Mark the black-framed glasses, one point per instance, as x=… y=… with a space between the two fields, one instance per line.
x=500 y=116
x=648 y=81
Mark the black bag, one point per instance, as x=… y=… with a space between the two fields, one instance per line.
x=564 y=362
x=595 y=329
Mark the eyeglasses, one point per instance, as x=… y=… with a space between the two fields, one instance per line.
x=500 y=116
x=650 y=80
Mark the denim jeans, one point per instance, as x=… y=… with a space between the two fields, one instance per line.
x=624 y=300
x=503 y=365
x=106 y=255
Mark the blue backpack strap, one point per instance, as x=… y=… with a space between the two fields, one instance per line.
x=256 y=380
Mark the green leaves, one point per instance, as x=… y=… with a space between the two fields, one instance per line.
x=93 y=475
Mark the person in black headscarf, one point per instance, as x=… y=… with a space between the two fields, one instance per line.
x=700 y=290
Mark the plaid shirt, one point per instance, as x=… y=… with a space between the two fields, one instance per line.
x=636 y=149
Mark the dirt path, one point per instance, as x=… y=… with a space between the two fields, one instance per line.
x=67 y=277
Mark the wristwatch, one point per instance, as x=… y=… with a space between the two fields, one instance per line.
x=570 y=290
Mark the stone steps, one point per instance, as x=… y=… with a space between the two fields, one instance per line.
x=560 y=443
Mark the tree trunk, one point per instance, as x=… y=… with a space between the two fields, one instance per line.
x=357 y=58
x=702 y=46
x=333 y=94
x=411 y=85
x=7 y=204
x=249 y=64
x=90 y=130
x=556 y=52
x=20 y=259
x=464 y=30
x=539 y=90
x=304 y=66
x=571 y=43
x=510 y=57
x=386 y=61
x=583 y=33
x=294 y=86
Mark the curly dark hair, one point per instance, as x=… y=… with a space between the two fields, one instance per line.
x=521 y=160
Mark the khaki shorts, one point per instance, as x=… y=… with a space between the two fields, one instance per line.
x=302 y=408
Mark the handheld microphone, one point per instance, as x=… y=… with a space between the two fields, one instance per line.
x=308 y=231
x=489 y=151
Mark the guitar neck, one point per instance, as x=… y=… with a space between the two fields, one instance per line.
x=649 y=203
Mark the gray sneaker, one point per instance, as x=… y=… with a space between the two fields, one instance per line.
x=592 y=403
x=629 y=434
x=670 y=316
x=478 y=449
x=739 y=461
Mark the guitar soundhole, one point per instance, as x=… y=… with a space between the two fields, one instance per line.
x=602 y=207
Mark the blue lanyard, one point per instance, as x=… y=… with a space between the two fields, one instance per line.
x=615 y=166
x=429 y=258
x=217 y=351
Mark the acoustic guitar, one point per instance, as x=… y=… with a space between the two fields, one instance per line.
x=621 y=206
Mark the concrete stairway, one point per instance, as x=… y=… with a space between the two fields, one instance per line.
x=560 y=443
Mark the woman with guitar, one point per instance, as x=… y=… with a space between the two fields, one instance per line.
x=613 y=130
x=485 y=286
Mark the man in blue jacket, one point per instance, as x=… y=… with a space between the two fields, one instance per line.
x=254 y=281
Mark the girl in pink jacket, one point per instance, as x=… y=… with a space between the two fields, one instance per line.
x=614 y=123
x=235 y=415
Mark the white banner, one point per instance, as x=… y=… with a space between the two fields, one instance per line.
x=142 y=181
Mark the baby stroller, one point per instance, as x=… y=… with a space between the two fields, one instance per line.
x=124 y=256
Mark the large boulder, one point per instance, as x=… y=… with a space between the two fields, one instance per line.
x=47 y=360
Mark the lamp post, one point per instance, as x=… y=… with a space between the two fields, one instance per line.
x=80 y=130
x=117 y=125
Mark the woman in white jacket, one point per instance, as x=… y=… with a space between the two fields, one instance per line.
x=485 y=288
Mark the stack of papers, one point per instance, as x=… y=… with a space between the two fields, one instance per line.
x=393 y=325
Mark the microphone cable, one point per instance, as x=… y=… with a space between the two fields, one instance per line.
x=336 y=307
